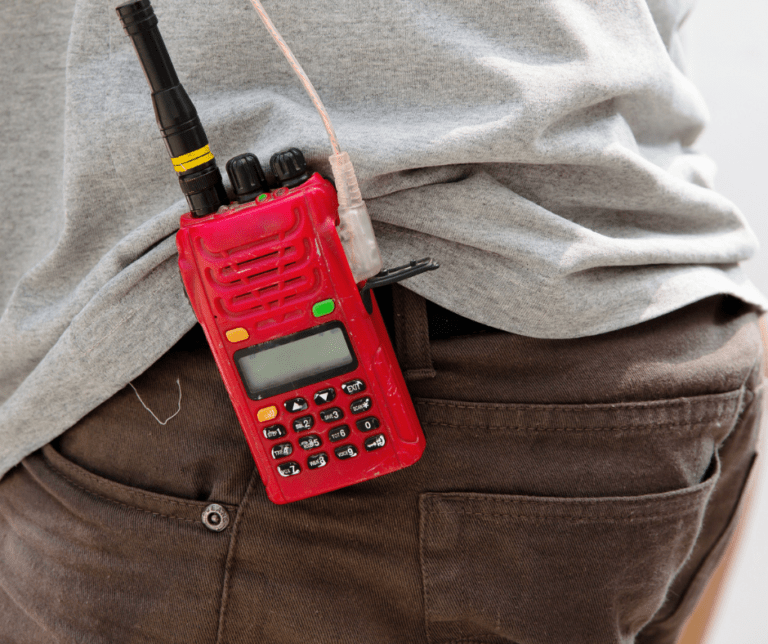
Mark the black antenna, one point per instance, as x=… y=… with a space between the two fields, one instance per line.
x=176 y=116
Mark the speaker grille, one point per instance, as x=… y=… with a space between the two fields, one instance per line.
x=269 y=280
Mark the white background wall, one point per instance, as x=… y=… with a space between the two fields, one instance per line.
x=727 y=51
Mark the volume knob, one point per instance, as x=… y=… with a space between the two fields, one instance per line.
x=246 y=176
x=289 y=167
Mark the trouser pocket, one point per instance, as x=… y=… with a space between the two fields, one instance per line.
x=538 y=570
x=85 y=558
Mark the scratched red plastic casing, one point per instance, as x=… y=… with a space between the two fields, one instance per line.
x=262 y=266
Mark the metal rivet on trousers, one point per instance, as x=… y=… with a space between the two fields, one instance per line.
x=215 y=517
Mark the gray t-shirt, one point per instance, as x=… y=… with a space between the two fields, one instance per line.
x=540 y=150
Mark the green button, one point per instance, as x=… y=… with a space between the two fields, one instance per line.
x=261 y=197
x=323 y=308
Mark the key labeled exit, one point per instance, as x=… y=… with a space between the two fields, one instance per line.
x=353 y=386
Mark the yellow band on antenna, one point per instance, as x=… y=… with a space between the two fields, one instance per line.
x=192 y=159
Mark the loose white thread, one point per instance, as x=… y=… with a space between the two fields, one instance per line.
x=162 y=422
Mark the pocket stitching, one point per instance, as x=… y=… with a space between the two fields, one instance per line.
x=716 y=400
x=57 y=469
x=601 y=518
x=642 y=428
x=114 y=501
x=435 y=503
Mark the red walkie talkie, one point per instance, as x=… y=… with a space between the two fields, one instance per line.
x=303 y=351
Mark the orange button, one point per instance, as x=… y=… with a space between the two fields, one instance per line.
x=266 y=413
x=237 y=335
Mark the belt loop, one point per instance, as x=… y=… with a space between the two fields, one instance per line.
x=412 y=334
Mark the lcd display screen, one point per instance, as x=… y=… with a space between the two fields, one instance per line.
x=295 y=361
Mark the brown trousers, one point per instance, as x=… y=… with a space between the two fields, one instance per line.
x=572 y=491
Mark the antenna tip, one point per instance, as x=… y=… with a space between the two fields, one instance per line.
x=136 y=15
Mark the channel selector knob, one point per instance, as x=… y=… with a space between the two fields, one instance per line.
x=289 y=167
x=246 y=176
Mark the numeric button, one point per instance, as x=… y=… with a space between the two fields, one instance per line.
x=304 y=423
x=282 y=450
x=317 y=460
x=345 y=452
x=274 y=431
x=352 y=387
x=309 y=442
x=368 y=424
x=339 y=433
x=331 y=415
x=289 y=469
